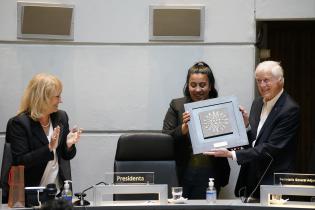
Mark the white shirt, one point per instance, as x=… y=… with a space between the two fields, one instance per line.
x=266 y=109
x=52 y=167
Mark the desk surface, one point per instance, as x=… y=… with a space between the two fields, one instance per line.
x=193 y=205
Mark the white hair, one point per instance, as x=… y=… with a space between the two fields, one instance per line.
x=273 y=67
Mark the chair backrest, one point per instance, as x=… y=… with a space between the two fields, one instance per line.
x=311 y=165
x=5 y=168
x=146 y=152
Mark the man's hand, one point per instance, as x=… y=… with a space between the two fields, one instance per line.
x=245 y=116
x=73 y=137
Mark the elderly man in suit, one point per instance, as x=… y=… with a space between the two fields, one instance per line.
x=272 y=127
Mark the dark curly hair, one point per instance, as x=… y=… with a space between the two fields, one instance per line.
x=201 y=68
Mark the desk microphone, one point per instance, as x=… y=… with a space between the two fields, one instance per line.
x=250 y=198
x=81 y=195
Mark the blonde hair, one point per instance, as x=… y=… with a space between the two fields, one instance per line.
x=38 y=94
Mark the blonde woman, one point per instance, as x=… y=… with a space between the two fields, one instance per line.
x=39 y=134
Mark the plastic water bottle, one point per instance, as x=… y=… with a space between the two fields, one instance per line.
x=211 y=194
x=66 y=193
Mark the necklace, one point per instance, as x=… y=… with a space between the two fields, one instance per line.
x=45 y=126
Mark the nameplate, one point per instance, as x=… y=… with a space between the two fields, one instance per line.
x=220 y=144
x=294 y=179
x=41 y=189
x=133 y=178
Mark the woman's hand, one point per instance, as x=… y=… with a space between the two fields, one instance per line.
x=53 y=144
x=186 y=118
x=245 y=116
x=73 y=137
x=220 y=152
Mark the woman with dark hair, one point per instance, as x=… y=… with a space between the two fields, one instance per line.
x=194 y=171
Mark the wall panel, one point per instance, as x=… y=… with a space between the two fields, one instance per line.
x=121 y=87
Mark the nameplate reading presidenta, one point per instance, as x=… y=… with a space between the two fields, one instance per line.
x=134 y=178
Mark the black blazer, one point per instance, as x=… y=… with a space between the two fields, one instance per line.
x=275 y=143
x=183 y=148
x=29 y=146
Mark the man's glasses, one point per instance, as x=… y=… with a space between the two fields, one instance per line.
x=263 y=81
x=267 y=81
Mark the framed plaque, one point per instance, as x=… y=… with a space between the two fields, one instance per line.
x=177 y=22
x=216 y=123
x=45 y=21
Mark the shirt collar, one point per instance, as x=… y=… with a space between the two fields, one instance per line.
x=273 y=101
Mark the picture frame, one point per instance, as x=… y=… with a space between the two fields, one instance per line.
x=45 y=21
x=216 y=123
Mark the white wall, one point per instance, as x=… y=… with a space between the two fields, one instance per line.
x=115 y=79
x=127 y=21
x=285 y=9
x=120 y=87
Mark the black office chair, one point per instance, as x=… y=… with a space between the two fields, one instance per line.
x=5 y=168
x=146 y=152
x=311 y=165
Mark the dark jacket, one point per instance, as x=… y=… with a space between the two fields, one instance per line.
x=275 y=144
x=183 y=149
x=29 y=146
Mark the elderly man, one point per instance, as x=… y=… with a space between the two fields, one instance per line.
x=272 y=127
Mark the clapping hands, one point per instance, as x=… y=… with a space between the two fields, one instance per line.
x=53 y=144
x=74 y=136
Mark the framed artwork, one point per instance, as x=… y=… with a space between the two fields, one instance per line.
x=216 y=123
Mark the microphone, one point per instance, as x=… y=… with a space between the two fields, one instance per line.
x=250 y=198
x=81 y=195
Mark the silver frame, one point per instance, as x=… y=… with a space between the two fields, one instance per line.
x=177 y=38
x=237 y=138
x=20 y=12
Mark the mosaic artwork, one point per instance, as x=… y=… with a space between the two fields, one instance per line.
x=215 y=123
